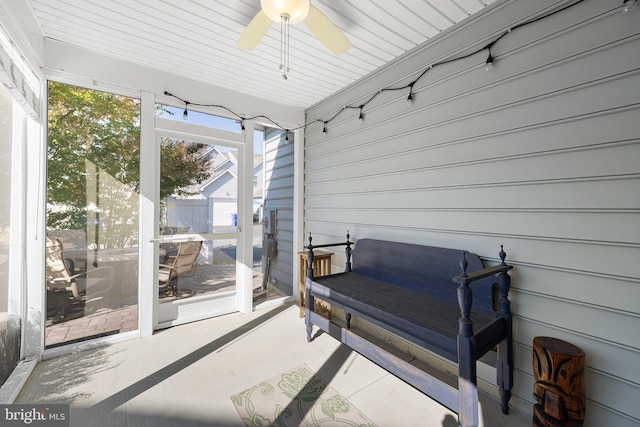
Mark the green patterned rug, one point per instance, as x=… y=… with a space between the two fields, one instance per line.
x=296 y=398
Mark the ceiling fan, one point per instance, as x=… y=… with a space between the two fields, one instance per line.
x=291 y=12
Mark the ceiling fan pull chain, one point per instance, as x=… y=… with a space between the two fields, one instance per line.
x=281 y=42
x=284 y=45
x=288 y=44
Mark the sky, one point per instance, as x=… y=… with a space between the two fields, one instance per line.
x=212 y=121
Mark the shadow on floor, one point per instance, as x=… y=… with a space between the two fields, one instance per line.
x=148 y=420
x=108 y=405
x=328 y=370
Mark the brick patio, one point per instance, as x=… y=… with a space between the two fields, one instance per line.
x=80 y=325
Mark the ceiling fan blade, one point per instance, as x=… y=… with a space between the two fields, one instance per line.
x=254 y=32
x=326 y=31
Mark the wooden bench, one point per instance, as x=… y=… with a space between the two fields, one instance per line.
x=409 y=291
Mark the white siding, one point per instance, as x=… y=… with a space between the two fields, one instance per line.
x=225 y=186
x=192 y=213
x=541 y=155
x=278 y=166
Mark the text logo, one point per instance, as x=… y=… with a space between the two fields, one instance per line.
x=35 y=415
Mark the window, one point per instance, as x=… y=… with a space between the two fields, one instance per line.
x=19 y=104
x=93 y=180
x=10 y=315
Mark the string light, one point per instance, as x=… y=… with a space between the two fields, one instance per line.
x=231 y=112
x=627 y=5
x=185 y=115
x=489 y=64
x=410 y=97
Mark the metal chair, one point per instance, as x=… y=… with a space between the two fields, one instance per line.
x=89 y=285
x=183 y=265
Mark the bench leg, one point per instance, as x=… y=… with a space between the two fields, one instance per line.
x=505 y=348
x=505 y=372
x=468 y=403
x=467 y=385
x=309 y=302
x=467 y=375
x=309 y=330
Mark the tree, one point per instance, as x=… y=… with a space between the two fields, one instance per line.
x=93 y=162
x=183 y=165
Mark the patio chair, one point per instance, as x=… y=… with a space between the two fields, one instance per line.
x=171 y=249
x=65 y=288
x=183 y=265
x=74 y=242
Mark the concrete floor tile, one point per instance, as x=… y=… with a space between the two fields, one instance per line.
x=184 y=376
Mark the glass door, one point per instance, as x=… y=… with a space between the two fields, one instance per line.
x=10 y=290
x=199 y=196
x=92 y=238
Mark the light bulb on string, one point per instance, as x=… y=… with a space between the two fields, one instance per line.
x=410 y=97
x=324 y=128
x=629 y=5
x=361 y=116
x=185 y=114
x=489 y=64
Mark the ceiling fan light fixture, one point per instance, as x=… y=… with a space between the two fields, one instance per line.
x=297 y=10
x=288 y=12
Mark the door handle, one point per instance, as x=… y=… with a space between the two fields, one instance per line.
x=170 y=240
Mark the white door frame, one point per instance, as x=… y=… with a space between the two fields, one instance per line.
x=149 y=206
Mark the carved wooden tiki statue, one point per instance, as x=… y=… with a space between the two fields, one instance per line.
x=558 y=369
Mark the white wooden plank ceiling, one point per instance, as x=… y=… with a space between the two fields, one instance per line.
x=197 y=38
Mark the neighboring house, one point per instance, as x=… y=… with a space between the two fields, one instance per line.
x=258 y=186
x=214 y=202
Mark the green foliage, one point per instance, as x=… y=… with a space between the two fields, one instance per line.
x=182 y=165
x=93 y=160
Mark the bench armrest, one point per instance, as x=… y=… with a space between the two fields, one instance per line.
x=310 y=247
x=481 y=274
x=465 y=293
x=466 y=278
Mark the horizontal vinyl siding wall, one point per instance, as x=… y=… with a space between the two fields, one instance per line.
x=278 y=165
x=541 y=155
